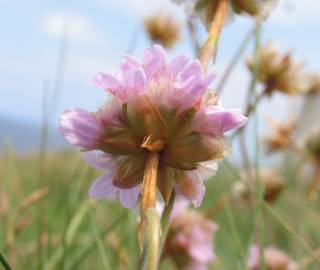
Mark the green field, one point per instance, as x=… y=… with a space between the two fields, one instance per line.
x=64 y=229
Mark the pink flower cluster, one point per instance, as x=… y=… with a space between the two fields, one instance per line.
x=190 y=238
x=164 y=102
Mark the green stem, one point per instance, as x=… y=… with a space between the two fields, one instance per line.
x=165 y=220
x=235 y=235
x=76 y=261
x=291 y=232
x=235 y=59
x=259 y=188
x=4 y=262
x=150 y=256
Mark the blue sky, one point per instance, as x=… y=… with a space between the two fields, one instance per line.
x=99 y=32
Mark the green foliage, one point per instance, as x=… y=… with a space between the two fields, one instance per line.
x=77 y=233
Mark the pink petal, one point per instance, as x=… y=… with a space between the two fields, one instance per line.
x=198 y=189
x=207 y=169
x=179 y=206
x=227 y=119
x=130 y=61
x=201 y=248
x=196 y=265
x=254 y=258
x=194 y=69
x=153 y=60
x=106 y=81
x=80 y=128
x=177 y=64
x=99 y=160
x=103 y=187
x=198 y=200
x=202 y=253
x=129 y=197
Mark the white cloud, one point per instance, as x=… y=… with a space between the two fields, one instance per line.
x=293 y=12
x=77 y=27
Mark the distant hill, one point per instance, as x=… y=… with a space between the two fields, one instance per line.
x=25 y=136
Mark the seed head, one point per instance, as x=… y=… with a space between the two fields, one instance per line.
x=163 y=28
x=272 y=184
x=281 y=137
x=278 y=72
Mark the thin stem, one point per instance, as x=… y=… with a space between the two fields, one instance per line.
x=235 y=235
x=151 y=252
x=42 y=173
x=194 y=35
x=165 y=220
x=313 y=190
x=149 y=190
x=291 y=232
x=245 y=155
x=259 y=188
x=209 y=48
x=235 y=59
x=250 y=108
x=75 y=262
x=4 y=262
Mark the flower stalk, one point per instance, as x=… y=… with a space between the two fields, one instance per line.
x=165 y=220
x=4 y=262
x=313 y=190
x=149 y=188
x=151 y=252
x=209 y=48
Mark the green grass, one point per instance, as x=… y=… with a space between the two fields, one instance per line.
x=77 y=233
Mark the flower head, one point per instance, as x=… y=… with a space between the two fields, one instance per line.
x=281 y=138
x=272 y=183
x=155 y=106
x=275 y=259
x=314 y=84
x=190 y=238
x=162 y=28
x=278 y=72
x=207 y=9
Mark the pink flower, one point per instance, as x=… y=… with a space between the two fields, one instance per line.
x=190 y=238
x=166 y=103
x=274 y=258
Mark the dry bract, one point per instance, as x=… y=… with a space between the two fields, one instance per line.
x=163 y=28
x=281 y=136
x=278 y=72
x=314 y=84
x=272 y=184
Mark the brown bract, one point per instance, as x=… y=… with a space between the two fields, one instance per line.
x=255 y=8
x=272 y=184
x=281 y=137
x=278 y=72
x=314 y=84
x=163 y=28
x=143 y=127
